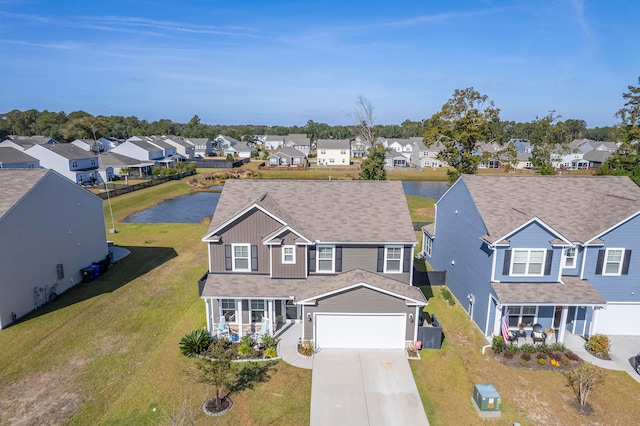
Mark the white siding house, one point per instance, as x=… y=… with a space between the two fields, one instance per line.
x=50 y=228
x=333 y=152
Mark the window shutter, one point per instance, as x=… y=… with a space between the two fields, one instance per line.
x=312 y=259
x=254 y=258
x=338 y=259
x=600 y=262
x=507 y=262
x=625 y=264
x=380 y=259
x=547 y=263
x=407 y=259
x=227 y=257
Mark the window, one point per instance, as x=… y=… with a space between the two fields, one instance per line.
x=393 y=259
x=527 y=262
x=570 y=257
x=428 y=244
x=257 y=311
x=74 y=164
x=240 y=257
x=613 y=262
x=323 y=151
x=332 y=160
x=288 y=254
x=93 y=161
x=343 y=152
x=521 y=314
x=325 y=259
x=228 y=310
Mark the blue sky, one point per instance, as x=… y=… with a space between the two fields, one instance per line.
x=286 y=62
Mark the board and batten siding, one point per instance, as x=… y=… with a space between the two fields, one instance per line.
x=285 y=270
x=360 y=300
x=458 y=250
x=248 y=229
x=622 y=288
x=57 y=222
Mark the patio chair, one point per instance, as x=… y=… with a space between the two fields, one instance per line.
x=222 y=330
x=538 y=335
x=512 y=337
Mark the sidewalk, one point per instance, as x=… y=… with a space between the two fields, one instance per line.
x=288 y=346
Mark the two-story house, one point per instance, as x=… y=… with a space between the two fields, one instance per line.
x=72 y=162
x=543 y=250
x=298 y=141
x=333 y=152
x=11 y=158
x=140 y=150
x=314 y=252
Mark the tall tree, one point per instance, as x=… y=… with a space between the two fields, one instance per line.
x=463 y=121
x=364 y=121
x=372 y=167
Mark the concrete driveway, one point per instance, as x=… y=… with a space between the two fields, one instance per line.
x=623 y=350
x=364 y=387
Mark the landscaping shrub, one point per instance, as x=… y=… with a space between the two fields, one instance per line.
x=246 y=340
x=195 y=343
x=497 y=344
x=557 y=347
x=446 y=295
x=270 y=353
x=514 y=349
x=526 y=356
x=599 y=344
x=565 y=360
x=269 y=341
x=541 y=347
x=557 y=356
x=571 y=355
x=541 y=355
x=306 y=348
x=523 y=362
x=528 y=348
x=245 y=349
x=508 y=354
x=542 y=361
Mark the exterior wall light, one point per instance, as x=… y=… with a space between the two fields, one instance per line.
x=308 y=317
x=410 y=317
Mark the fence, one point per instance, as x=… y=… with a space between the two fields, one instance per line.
x=222 y=163
x=152 y=182
x=417 y=226
x=421 y=278
x=431 y=334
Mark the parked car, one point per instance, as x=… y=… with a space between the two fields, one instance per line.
x=638 y=362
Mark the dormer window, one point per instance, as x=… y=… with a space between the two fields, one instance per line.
x=569 y=257
x=527 y=262
x=289 y=254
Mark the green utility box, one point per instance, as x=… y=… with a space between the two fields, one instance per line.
x=486 y=398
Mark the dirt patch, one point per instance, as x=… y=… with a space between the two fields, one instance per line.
x=43 y=398
x=426 y=212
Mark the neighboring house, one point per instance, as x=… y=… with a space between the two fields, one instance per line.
x=596 y=158
x=241 y=149
x=185 y=149
x=140 y=150
x=51 y=229
x=11 y=158
x=571 y=160
x=588 y=145
x=279 y=253
x=72 y=162
x=560 y=252
x=90 y=145
x=524 y=161
x=426 y=156
x=359 y=148
x=203 y=146
x=118 y=162
x=286 y=157
x=333 y=152
x=492 y=151
x=223 y=143
x=25 y=142
x=169 y=151
x=522 y=145
x=273 y=142
x=395 y=159
x=404 y=146
x=298 y=141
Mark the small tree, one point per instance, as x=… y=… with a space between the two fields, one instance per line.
x=582 y=380
x=372 y=167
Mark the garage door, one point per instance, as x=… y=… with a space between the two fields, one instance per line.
x=360 y=331
x=619 y=320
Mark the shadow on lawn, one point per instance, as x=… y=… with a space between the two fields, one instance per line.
x=139 y=262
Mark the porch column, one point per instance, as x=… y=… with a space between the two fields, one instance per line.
x=593 y=328
x=563 y=323
x=207 y=305
x=239 y=316
x=270 y=313
x=497 y=329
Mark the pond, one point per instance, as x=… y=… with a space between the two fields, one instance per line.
x=192 y=208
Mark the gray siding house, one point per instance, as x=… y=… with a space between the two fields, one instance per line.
x=50 y=229
x=279 y=253
x=72 y=162
x=11 y=158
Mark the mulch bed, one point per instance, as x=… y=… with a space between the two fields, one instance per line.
x=533 y=364
x=212 y=408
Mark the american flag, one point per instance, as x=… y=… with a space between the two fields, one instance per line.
x=505 y=327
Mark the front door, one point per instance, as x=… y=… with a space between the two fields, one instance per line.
x=557 y=317
x=292 y=311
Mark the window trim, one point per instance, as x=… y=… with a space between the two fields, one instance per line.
x=263 y=310
x=386 y=269
x=333 y=259
x=428 y=245
x=293 y=254
x=234 y=309
x=521 y=314
x=620 y=262
x=234 y=258
x=527 y=264
x=565 y=257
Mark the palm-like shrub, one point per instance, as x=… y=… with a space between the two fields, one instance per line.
x=599 y=344
x=269 y=341
x=195 y=342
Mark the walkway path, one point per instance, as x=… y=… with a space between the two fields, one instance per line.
x=288 y=337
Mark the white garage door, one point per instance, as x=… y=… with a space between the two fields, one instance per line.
x=619 y=320
x=360 y=331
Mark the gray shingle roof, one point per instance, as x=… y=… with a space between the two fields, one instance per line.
x=70 y=151
x=15 y=183
x=244 y=285
x=333 y=144
x=288 y=152
x=329 y=211
x=12 y=155
x=573 y=290
x=118 y=160
x=580 y=208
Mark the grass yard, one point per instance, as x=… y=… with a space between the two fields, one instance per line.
x=445 y=380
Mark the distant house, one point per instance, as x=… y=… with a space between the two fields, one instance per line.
x=241 y=149
x=426 y=156
x=183 y=147
x=359 y=148
x=11 y=158
x=222 y=143
x=72 y=162
x=596 y=158
x=140 y=150
x=523 y=161
x=273 y=142
x=298 y=141
x=333 y=152
x=203 y=146
x=169 y=152
x=51 y=229
x=559 y=252
x=286 y=157
x=395 y=159
x=91 y=145
x=522 y=145
x=118 y=162
x=488 y=160
x=403 y=146
x=25 y=142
